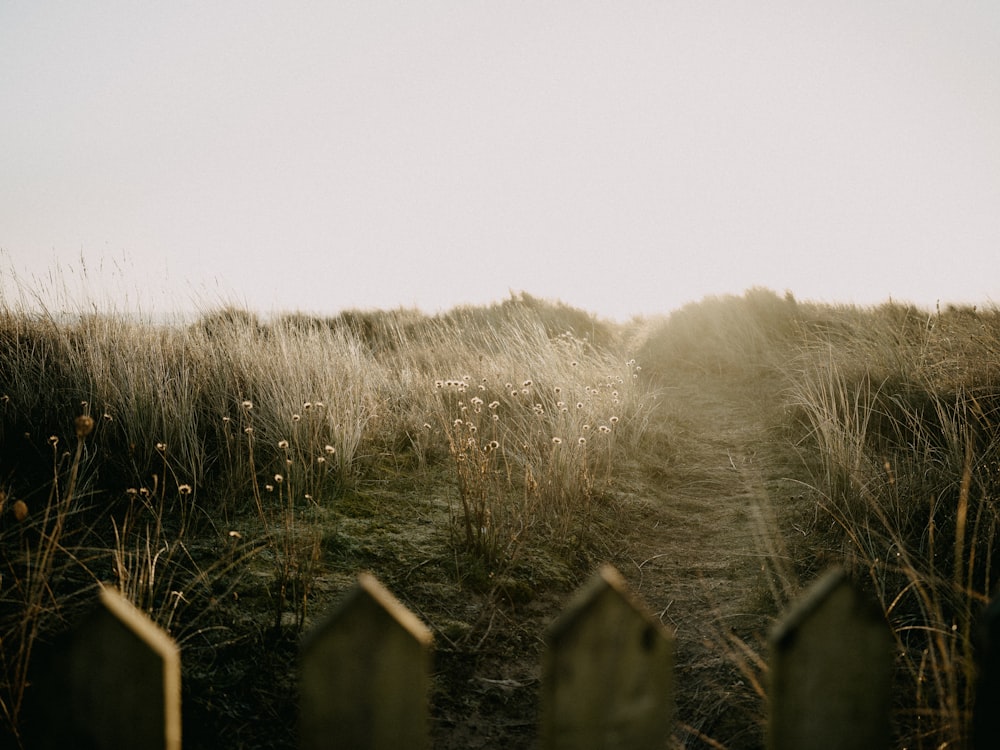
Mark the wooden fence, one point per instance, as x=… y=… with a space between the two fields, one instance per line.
x=607 y=675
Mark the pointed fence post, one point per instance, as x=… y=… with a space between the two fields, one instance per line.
x=607 y=675
x=831 y=671
x=123 y=677
x=364 y=675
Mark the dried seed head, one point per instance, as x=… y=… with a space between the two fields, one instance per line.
x=84 y=425
x=20 y=510
x=248 y=405
x=282 y=444
x=184 y=489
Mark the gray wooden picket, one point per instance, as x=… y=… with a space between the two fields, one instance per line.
x=364 y=675
x=831 y=671
x=607 y=675
x=123 y=676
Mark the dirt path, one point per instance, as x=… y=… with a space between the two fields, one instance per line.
x=696 y=504
x=698 y=556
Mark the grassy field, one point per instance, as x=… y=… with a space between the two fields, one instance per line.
x=231 y=475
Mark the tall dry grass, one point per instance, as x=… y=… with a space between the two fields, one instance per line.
x=901 y=410
x=896 y=414
x=230 y=440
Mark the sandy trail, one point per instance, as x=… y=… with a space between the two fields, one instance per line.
x=701 y=550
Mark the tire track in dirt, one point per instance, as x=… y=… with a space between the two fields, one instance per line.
x=720 y=462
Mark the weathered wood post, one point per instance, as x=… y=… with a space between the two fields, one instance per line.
x=364 y=675
x=831 y=671
x=123 y=676
x=607 y=675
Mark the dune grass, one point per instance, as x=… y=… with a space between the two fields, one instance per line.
x=901 y=408
x=231 y=444
x=234 y=470
x=895 y=412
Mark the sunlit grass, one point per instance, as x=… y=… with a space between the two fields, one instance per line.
x=906 y=454
x=232 y=447
x=226 y=445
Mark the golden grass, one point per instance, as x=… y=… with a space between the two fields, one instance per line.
x=233 y=447
x=230 y=441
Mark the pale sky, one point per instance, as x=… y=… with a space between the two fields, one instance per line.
x=622 y=157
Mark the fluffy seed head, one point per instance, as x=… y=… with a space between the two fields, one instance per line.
x=84 y=425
